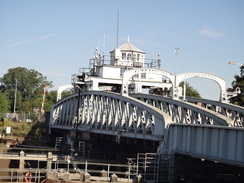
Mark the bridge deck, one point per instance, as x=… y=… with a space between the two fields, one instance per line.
x=216 y=143
x=180 y=126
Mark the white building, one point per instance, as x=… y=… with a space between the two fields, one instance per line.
x=102 y=76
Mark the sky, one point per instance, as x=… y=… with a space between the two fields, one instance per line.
x=58 y=37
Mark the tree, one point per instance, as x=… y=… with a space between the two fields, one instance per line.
x=4 y=103
x=29 y=87
x=239 y=82
x=190 y=91
x=51 y=98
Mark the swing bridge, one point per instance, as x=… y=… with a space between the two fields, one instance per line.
x=199 y=128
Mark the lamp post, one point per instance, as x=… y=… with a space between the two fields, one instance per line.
x=15 y=95
x=239 y=64
x=177 y=54
x=184 y=96
x=236 y=63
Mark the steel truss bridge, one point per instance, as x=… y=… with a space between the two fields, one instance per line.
x=202 y=128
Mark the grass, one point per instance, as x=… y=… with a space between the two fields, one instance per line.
x=26 y=133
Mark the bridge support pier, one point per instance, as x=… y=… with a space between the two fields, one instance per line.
x=21 y=161
x=49 y=160
x=21 y=166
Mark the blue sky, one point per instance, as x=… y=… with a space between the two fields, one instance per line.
x=58 y=37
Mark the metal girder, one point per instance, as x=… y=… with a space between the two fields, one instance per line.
x=61 y=89
x=221 y=82
x=175 y=80
x=109 y=113
x=183 y=112
x=216 y=143
x=129 y=73
x=234 y=112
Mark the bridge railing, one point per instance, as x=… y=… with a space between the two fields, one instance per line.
x=183 y=112
x=234 y=112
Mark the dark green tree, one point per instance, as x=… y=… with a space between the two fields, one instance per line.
x=51 y=98
x=4 y=103
x=67 y=93
x=29 y=87
x=238 y=82
x=190 y=91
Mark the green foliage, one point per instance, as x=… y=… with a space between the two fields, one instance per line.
x=28 y=133
x=51 y=98
x=190 y=91
x=29 y=91
x=4 y=103
x=29 y=87
x=239 y=82
x=2 y=123
x=30 y=105
x=66 y=93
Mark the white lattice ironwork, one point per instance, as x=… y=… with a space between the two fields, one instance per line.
x=234 y=112
x=179 y=126
x=109 y=113
x=183 y=112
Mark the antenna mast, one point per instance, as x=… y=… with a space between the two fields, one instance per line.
x=104 y=42
x=117 y=30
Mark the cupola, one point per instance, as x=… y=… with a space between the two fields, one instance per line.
x=127 y=55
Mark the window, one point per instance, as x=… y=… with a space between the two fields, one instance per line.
x=129 y=56
x=134 y=57
x=143 y=75
x=138 y=57
x=123 y=56
x=142 y=58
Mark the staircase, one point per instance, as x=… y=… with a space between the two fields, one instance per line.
x=147 y=166
x=152 y=168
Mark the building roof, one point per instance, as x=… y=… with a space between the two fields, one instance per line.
x=129 y=47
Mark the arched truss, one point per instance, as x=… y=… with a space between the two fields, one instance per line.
x=128 y=75
x=61 y=89
x=184 y=112
x=175 y=80
x=234 y=112
x=221 y=82
x=109 y=113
